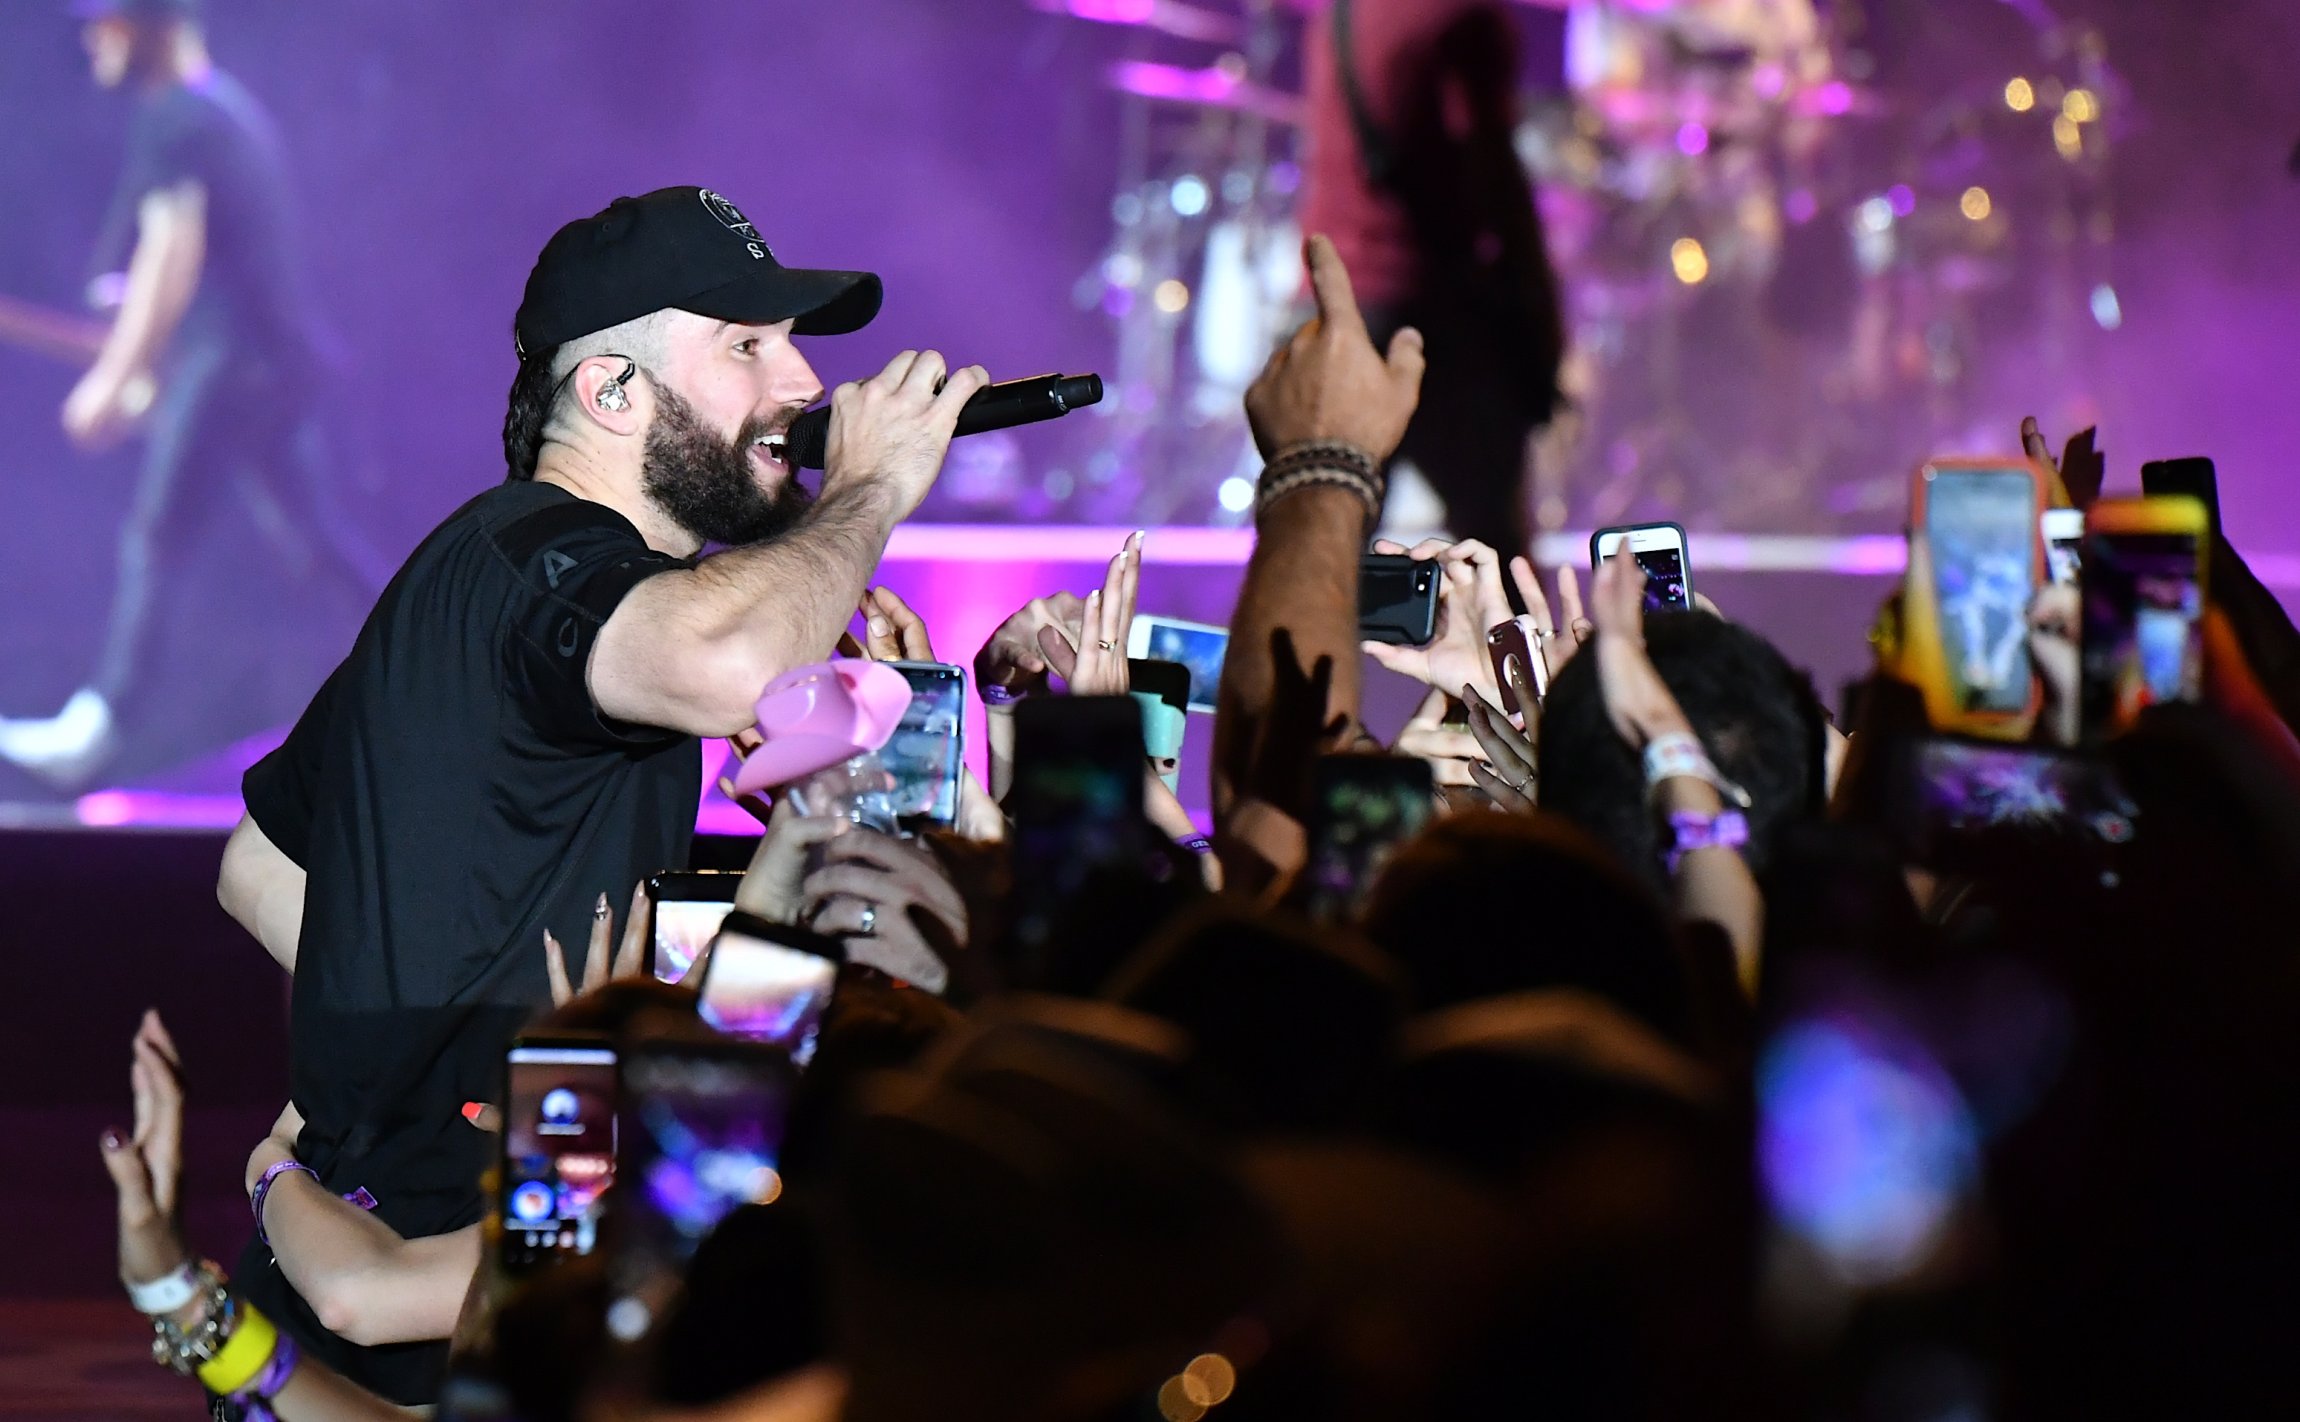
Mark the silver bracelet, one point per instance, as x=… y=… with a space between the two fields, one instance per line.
x=185 y=1352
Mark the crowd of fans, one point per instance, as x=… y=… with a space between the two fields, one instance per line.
x=1677 y=1068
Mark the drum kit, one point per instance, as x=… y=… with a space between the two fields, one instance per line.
x=1783 y=280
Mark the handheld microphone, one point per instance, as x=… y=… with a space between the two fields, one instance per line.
x=994 y=407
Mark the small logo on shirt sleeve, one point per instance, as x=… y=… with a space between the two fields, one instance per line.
x=555 y=566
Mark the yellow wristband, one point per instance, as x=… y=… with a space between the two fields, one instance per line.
x=244 y=1355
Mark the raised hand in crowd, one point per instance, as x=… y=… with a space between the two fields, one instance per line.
x=1470 y=604
x=166 y=1280
x=1510 y=773
x=1327 y=412
x=1446 y=745
x=603 y=958
x=1013 y=664
x=1711 y=881
x=891 y=902
x=2078 y=474
x=1091 y=658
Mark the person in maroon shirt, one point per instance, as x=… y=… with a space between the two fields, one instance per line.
x=1412 y=172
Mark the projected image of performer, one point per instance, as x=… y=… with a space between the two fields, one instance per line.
x=1411 y=107
x=210 y=347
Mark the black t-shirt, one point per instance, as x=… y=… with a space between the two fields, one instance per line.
x=451 y=792
x=251 y=298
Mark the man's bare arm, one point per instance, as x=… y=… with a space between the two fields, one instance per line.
x=171 y=248
x=1298 y=605
x=689 y=650
x=262 y=889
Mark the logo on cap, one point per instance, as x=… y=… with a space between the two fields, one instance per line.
x=731 y=217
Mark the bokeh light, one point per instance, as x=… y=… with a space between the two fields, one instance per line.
x=1689 y=261
x=1865 y=1145
x=2020 y=95
x=1172 y=296
x=1975 y=203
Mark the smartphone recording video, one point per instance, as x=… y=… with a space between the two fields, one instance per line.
x=2144 y=575
x=926 y=752
x=702 y=1132
x=1973 y=807
x=1193 y=644
x=1659 y=549
x=558 y=1149
x=2063 y=532
x=686 y=907
x=771 y=990
x=1981 y=527
x=1076 y=802
x=1397 y=599
x=1362 y=808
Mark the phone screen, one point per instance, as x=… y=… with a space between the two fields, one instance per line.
x=1076 y=801
x=2143 y=609
x=682 y=927
x=771 y=992
x=702 y=1133
x=1200 y=649
x=1965 y=806
x=1363 y=807
x=1659 y=550
x=2063 y=531
x=558 y=1151
x=924 y=752
x=1981 y=526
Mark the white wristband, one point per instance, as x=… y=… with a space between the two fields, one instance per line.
x=1677 y=753
x=167 y=1293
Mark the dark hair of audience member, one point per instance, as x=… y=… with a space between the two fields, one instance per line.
x=1756 y=714
x=1483 y=904
x=1293 y=1025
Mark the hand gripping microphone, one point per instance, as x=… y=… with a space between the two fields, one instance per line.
x=994 y=407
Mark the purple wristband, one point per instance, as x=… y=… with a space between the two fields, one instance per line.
x=255 y=1398
x=274 y=1171
x=995 y=695
x=1691 y=830
x=263 y=1191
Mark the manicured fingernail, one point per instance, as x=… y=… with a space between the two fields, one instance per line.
x=472 y=1110
x=599 y=910
x=113 y=1140
x=879 y=626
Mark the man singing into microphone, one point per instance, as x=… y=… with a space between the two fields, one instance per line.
x=515 y=728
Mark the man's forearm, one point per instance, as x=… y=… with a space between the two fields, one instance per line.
x=1302 y=582
x=693 y=648
x=162 y=275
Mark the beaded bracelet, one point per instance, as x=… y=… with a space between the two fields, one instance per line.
x=182 y=1351
x=1320 y=462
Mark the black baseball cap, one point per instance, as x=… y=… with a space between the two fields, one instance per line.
x=687 y=249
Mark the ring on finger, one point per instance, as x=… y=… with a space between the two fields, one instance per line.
x=867 y=925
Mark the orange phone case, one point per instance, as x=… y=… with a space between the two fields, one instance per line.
x=1920 y=656
x=2181 y=514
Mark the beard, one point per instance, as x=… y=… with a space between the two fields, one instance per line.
x=706 y=485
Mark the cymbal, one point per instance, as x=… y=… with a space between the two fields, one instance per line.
x=1168 y=17
x=1213 y=87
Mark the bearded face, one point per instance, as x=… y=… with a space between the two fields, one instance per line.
x=710 y=486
